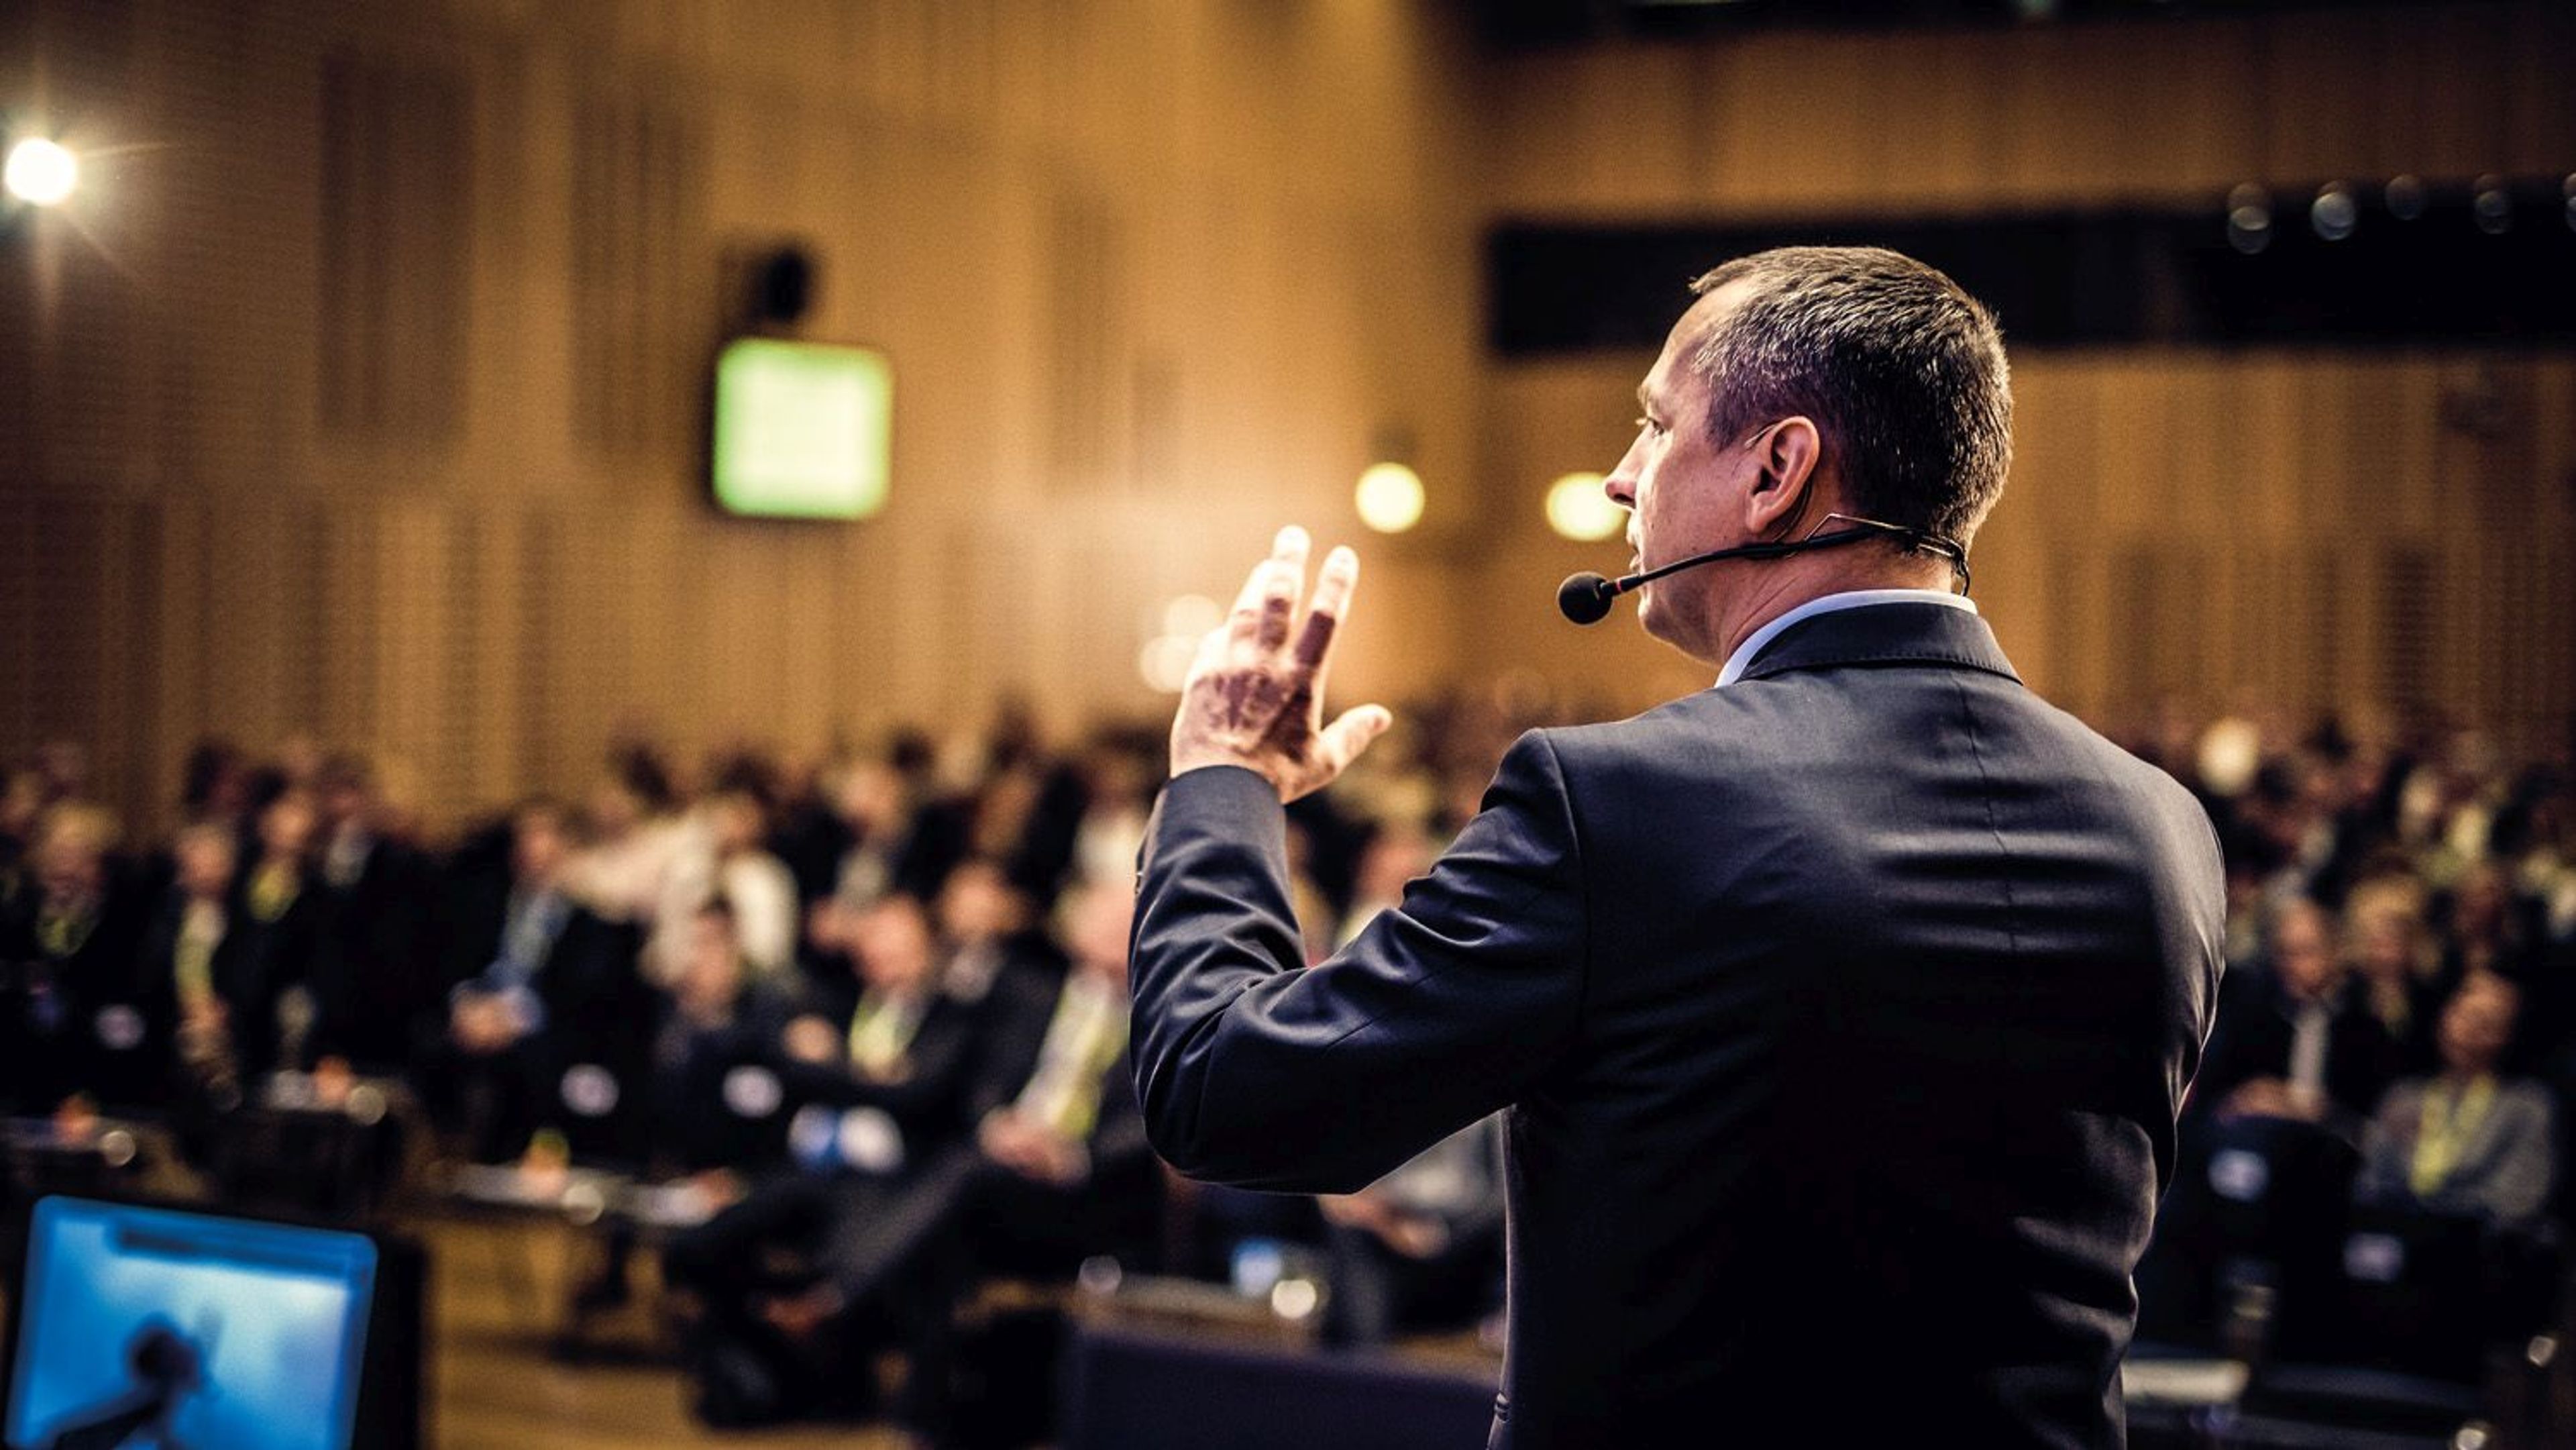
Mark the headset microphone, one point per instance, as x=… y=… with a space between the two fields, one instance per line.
x=1586 y=598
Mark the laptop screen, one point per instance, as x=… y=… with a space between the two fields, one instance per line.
x=153 y=1327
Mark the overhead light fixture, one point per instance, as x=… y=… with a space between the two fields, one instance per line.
x=40 y=172
x=1389 y=497
x=1579 y=510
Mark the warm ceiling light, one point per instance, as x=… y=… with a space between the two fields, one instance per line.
x=1578 y=509
x=1389 y=497
x=40 y=172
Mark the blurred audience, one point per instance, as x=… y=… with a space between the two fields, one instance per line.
x=863 y=1018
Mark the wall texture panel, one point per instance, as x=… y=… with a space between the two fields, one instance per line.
x=368 y=397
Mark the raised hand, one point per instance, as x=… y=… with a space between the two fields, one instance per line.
x=1255 y=697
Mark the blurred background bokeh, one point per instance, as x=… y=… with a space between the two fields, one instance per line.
x=360 y=390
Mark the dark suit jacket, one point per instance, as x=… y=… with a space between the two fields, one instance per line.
x=1843 y=1015
x=374 y=982
x=153 y=1075
x=51 y=1038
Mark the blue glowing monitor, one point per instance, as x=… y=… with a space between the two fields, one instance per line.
x=152 y=1327
x=802 y=429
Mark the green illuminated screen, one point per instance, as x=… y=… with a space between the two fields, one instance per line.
x=801 y=429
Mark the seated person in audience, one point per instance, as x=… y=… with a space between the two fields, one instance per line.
x=1066 y=1172
x=1422 y=1248
x=540 y=983
x=2487 y=928
x=2291 y=1041
x=277 y=913
x=2394 y=961
x=709 y=1122
x=373 y=975
x=2465 y=1141
x=191 y=956
x=891 y=1032
x=67 y=944
x=722 y=852
x=986 y=932
x=797 y=1280
x=884 y=850
x=1061 y=1170
x=717 y=1110
x=633 y=833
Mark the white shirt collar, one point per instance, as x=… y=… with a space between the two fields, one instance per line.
x=1827 y=604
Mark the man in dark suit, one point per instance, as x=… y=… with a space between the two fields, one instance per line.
x=68 y=938
x=2295 y=1040
x=1842 y=1011
x=548 y=1019
x=376 y=897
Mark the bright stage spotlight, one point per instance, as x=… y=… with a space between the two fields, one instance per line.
x=40 y=172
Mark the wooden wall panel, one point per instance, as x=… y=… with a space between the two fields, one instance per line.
x=2257 y=497
x=1156 y=277
x=2215 y=528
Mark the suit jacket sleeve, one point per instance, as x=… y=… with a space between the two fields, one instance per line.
x=1255 y=1070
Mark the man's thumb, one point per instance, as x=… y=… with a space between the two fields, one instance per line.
x=1352 y=731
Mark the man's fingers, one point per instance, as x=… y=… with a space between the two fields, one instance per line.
x=1332 y=600
x=1269 y=597
x=1287 y=581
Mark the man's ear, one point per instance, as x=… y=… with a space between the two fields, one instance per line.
x=1790 y=457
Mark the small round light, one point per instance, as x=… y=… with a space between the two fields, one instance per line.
x=2568 y=190
x=584 y=1203
x=1578 y=509
x=40 y=172
x=2334 y=213
x=1389 y=497
x=2407 y=198
x=2493 y=206
x=1294 y=1298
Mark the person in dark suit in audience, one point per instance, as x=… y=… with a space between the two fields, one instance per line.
x=540 y=985
x=373 y=973
x=68 y=938
x=1064 y=1169
x=278 y=912
x=1060 y=1171
x=191 y=947
x=715 y=1106
x=1861 y=989
x=718 y=1105
x=986 y=931
x=2294 y=1040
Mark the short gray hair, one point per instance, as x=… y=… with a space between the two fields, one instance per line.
x=1902 y=371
